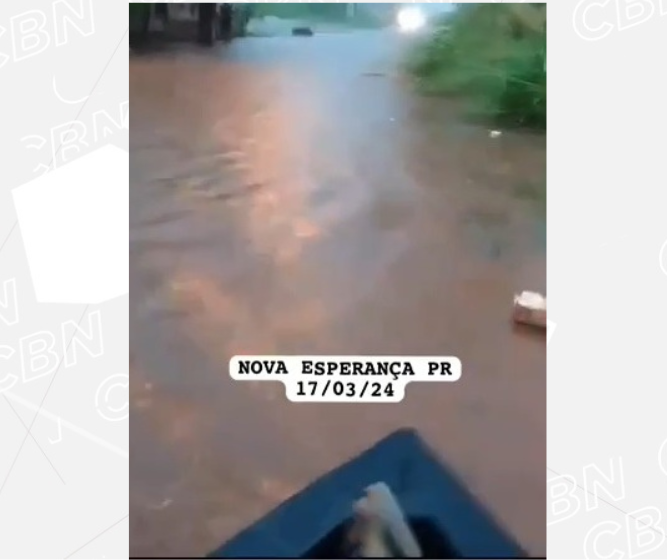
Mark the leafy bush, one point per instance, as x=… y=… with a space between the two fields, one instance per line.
x=492 y=54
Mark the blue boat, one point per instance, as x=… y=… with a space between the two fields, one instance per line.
x=446 y=519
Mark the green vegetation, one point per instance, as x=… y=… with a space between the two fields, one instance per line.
x=139 y=16
x=492 y=55
x=362 y=15
x=139 y=9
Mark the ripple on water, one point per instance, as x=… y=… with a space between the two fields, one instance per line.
x=488 y=231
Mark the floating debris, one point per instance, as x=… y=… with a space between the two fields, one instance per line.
x=164 y=504
x=530 y=308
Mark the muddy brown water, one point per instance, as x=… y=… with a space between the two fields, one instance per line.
x=291 y=196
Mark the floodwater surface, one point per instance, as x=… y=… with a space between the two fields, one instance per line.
x=293 y=196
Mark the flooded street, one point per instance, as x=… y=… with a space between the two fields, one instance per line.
x=292 y=196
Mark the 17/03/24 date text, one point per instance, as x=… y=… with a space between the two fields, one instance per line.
x=345 y=378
